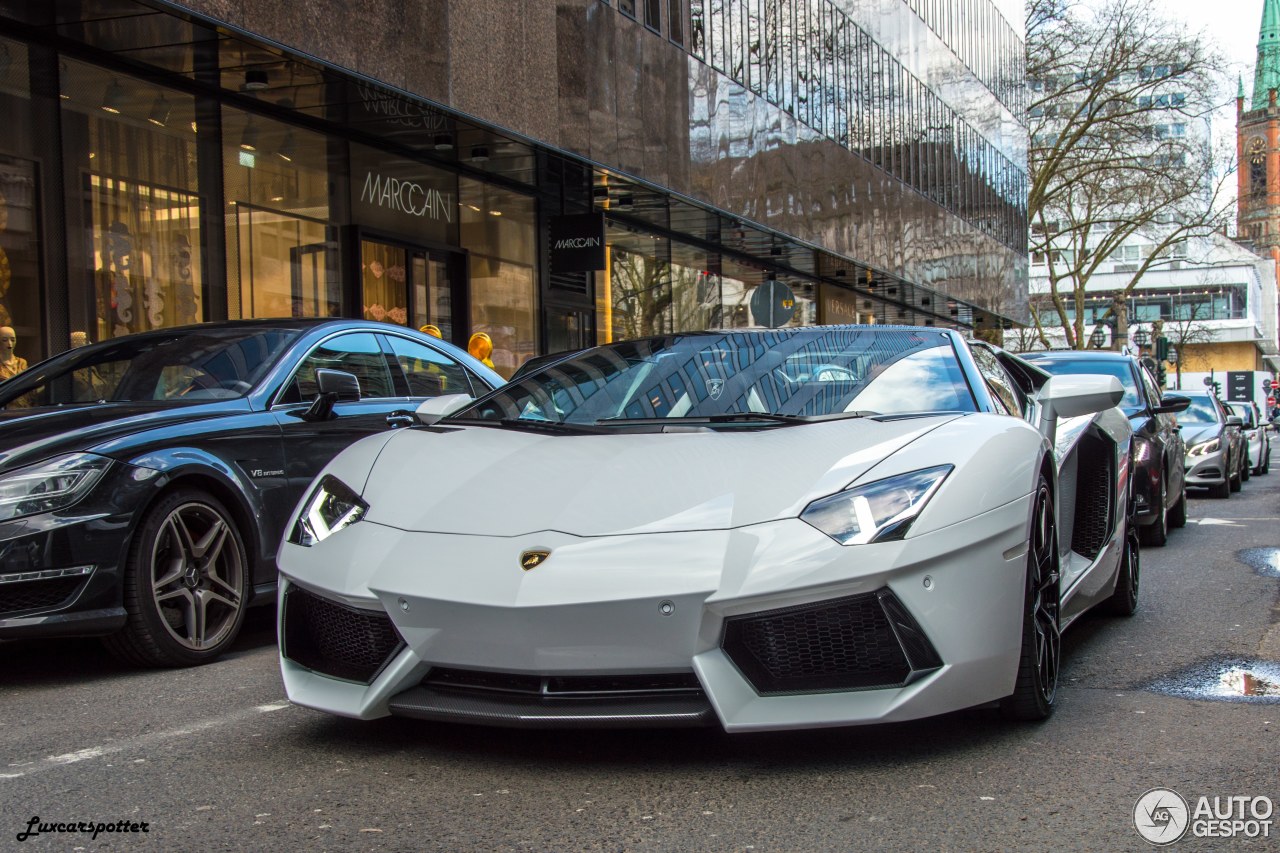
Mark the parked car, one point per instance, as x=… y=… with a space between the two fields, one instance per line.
x=1257 y=440
x=1216 y=455
x=784 y=529
x=145 y=481
x=1160 y=488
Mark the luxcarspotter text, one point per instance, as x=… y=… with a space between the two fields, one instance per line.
x=35 y=827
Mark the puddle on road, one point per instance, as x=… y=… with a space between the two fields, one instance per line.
x=1232 y=680
x=1264 y=561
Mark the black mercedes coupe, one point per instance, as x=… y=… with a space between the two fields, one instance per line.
x=145 y=481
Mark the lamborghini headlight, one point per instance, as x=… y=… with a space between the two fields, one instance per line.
x=51 y=485
x=1205 y=447
x=331 y=507
x=876 y=512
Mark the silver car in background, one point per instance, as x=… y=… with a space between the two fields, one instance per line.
x=1215 y=445
x=1257 y=442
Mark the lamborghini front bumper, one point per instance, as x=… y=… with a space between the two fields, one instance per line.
x=769 y=626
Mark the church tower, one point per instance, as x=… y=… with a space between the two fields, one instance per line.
x=1258 y=141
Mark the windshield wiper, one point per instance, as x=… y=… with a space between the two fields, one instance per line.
x=519 y=423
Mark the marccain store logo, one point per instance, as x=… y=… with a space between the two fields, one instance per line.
x=1162 y=816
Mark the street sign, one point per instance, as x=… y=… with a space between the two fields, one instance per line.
x=1271 y=402
x=1240 y=385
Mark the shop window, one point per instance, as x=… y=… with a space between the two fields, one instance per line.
x=137 y=173
x=282 y=248
x=498 y=230
x=20 y=274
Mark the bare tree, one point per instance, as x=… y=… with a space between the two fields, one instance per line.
x=1187 y=328
x=1114 y=87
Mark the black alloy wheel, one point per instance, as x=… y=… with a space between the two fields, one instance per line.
x=1157 y=532
x=1236 y=480
x=1036 y=686
x=185 y=583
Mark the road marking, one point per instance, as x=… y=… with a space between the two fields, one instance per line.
x=53 y=762
x=1218 y=522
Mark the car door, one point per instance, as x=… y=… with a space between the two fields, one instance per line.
x=310 y=444
x=1167 y=436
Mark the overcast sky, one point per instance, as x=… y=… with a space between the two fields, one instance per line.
x=1232 y=23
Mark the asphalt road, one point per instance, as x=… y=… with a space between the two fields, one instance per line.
x=216 y=759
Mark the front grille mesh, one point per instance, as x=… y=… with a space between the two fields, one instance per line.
x=38 y=594
x=841 y=644
x=337 y=640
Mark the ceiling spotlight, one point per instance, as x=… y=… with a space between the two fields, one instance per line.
x=285 y=151
x=775 y=251
x=255 y=80
x=479 y=154
x=249 y=139
x=160 y=111
x=599 y=192
x=443 y=142
x=626 y=201
x=840 y=273
x=113 y=97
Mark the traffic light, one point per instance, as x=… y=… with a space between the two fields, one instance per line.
x=1162 y=375
x=1162 y=349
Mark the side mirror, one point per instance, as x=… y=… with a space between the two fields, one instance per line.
x=437 y=408
x=1170 y=404
x=1072 y=395
x=1235 y=421
x=334 y=386
x=345 y=386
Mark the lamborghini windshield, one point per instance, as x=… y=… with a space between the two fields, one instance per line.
x=724 y=377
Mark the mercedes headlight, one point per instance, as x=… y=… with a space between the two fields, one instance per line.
x=54 y=484
x=331 y=507
x=876 y=512
x=1205 y=447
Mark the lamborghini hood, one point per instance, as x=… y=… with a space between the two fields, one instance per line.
x=504 y=482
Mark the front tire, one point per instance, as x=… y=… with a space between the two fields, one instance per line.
x=1124 y=601
x=1178 y=514
x=1036 y=686
x=185 y=582
x=1157 y=532
x=1221 y=490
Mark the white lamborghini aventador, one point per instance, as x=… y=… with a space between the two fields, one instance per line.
x=760 y=529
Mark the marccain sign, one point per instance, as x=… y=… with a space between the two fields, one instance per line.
x=408 y=197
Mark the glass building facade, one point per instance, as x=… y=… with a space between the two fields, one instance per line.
x=162 y=165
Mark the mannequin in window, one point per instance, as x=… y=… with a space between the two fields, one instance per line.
x=10 y=364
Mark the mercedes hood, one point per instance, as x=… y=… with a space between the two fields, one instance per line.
x=507 y=482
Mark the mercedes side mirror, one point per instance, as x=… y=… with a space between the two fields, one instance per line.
x=433 y=410
x=1170 y=404
x=333 y=387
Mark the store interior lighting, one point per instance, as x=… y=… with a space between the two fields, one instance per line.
x=249 y=139
x=161 y=109
x=479 y=154
x=286 y=149
x=255 y=80
x=113 y=97
x=443 y=142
